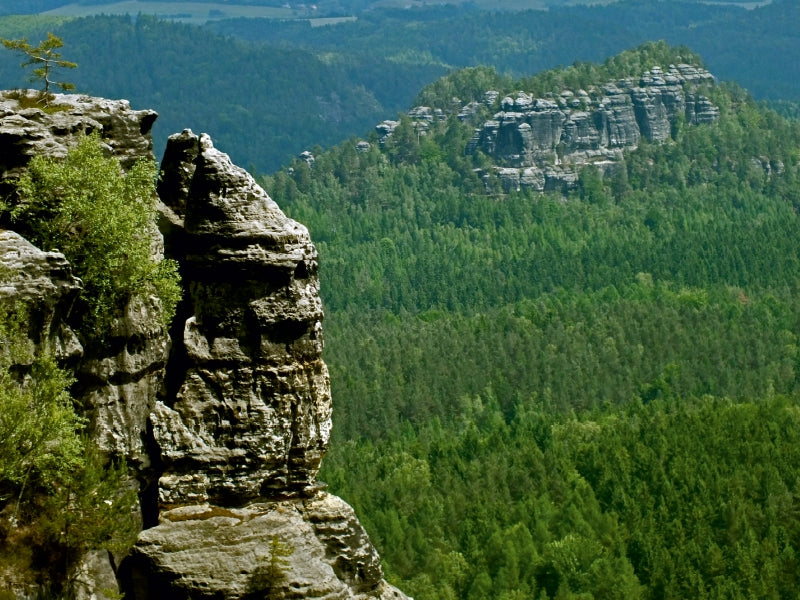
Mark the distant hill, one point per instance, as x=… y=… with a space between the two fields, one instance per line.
x=589 y=393
x=320 y=6
x=262 y=104
x=268 y=89
x=748 y=46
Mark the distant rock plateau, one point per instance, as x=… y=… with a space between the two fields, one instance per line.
x=542 y=143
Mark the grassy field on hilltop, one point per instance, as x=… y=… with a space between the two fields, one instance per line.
x=190 y=12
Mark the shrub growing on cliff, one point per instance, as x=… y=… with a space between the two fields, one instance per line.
x=59 y=496
x=38 y=426
x=270 y=575
x=102 y=220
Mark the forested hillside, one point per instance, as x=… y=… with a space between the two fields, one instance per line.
x=322 y=6
x=590 y=395
x=267 y=89
x=751 y=47
x=262 y=104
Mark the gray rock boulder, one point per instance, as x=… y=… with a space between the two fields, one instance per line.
x=204 y=551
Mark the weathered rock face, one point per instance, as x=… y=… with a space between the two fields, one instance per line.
x=45 y=283
x=26 y=132
x=529 y=130
x=541 y=143
x=251 y=414
x=246 y=417
x=204 y=551
x=119 y=381
x=228 y=420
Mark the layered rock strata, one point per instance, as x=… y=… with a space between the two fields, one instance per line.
x=26 y=130
x=546 y=140
x=226 y=422
x=542 y=143
x=302 y=548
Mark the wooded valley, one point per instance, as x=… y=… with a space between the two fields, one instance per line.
x=581 y=396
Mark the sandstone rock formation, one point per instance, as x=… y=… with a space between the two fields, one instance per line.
x=551 y=138
x=225 y=423
x=251 y=414
x=542 y=143
x=204 y=551
x=26 y=132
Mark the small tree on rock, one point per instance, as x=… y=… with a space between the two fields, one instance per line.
x=266 y=578
x=45 y=59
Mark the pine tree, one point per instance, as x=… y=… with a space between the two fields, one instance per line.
x=45 y=60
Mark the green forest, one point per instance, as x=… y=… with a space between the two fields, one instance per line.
x=268 y=89
x=590 y=395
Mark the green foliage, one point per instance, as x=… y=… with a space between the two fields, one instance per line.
x=44 y=59
x=101 y=219
x=272 y=573
x=38 y=426
x=465 y=85
x=342 y=96
x=549 y=396
x=92 y=507
x=685 y=498
x=630 y=63
x=59 y=497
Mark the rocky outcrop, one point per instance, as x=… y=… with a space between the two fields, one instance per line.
x=547 y=140
x=203 y=551
x=246 y=418
x=251 y=412
x=542 y=143
x=27 y=130
x=225 y=419
x=614 y=116
x=44 y=282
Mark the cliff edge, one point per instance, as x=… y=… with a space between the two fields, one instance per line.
x=225 y=417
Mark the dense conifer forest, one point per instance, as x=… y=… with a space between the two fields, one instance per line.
x=267 y=89
x=590 y=395
x=581 y=395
